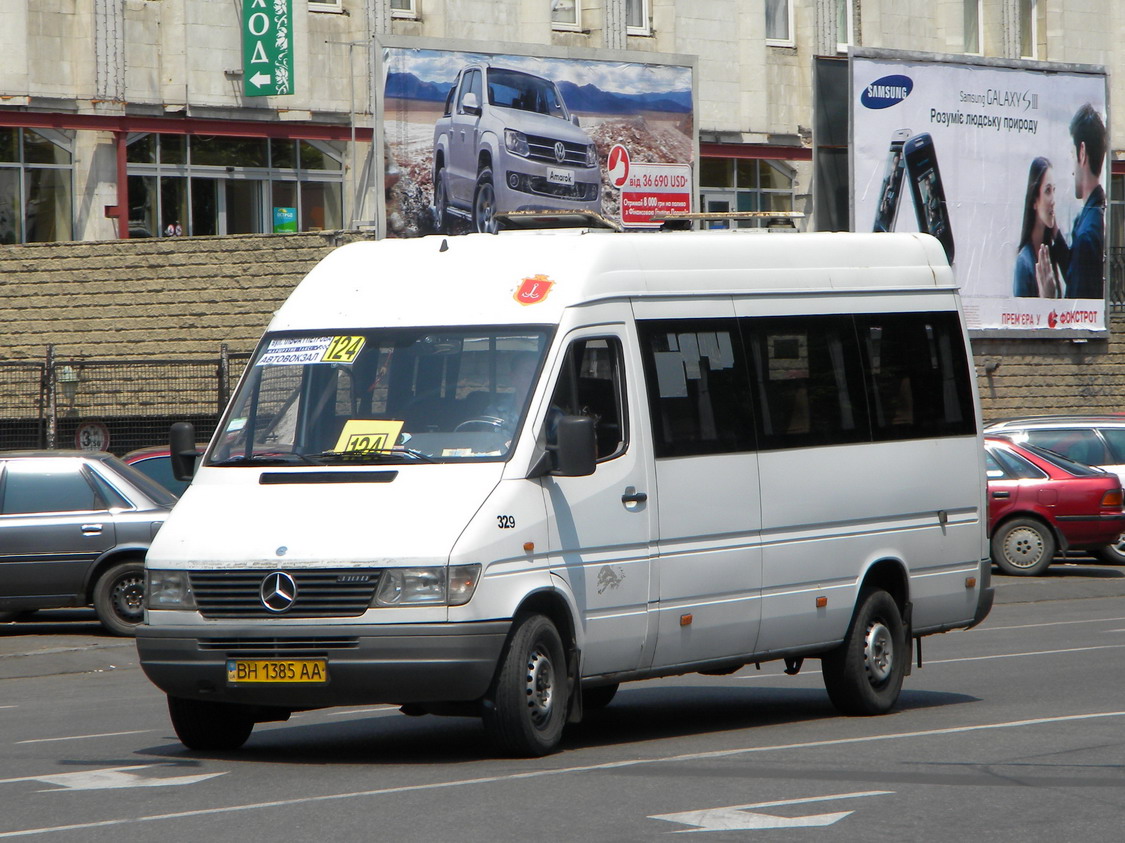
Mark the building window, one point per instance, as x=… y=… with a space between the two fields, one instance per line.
x=566 y=15
x=779 y=23
x=404 y=8
x=200 y=185
x=972 y=37
x=637 y=17
x=732 y=185
x=36 y=185
x=1029 y=29
x=326 y=5
x=844 y=25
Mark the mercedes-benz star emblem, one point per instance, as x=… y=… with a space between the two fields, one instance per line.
x=278 y=591
x=560 y=151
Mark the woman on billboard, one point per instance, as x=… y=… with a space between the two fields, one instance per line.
x=1037 y=269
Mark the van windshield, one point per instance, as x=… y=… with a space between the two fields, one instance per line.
x=377 y=396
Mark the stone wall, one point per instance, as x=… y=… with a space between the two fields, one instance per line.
x=159 y=298
x=184 y=297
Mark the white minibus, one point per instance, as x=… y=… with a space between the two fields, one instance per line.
x=499 y=475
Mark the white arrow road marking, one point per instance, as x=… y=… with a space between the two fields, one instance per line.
x=111 y=778
x=740 y=817
x=259 y=79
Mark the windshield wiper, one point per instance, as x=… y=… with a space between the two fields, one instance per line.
x=379 y=454
x=270 y=458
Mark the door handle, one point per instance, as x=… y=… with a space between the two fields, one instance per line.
x=91 y=529
x=1001 y=494
x=633 y=496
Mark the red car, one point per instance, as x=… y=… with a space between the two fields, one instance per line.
x=1040 y=502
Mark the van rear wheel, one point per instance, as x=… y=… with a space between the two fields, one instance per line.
x=863 y=676
x=527 y=705
x=209 y=725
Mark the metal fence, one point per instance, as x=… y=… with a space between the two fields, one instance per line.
x=113 y=405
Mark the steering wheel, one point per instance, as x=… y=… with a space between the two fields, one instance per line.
x=483 y=424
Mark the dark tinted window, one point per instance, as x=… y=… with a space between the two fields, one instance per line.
x=698 y=386
x=1011 y=465
x=808 y=383
x=35 y=486
x=917 y=375
x=1116 y=438
x=160 y=470
x=1078 y=444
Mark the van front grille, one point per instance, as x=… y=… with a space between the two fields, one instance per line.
x=332 y=593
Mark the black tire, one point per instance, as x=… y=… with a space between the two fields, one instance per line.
x=526 y=707
x=484 y=203
x=1112 y=554
x=119 y=596
x=441 y=202
x=1023 y=547
x=209 y=726
x=595 y=699
x=863 y=676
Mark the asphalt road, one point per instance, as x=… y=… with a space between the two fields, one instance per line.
x=1011 y=731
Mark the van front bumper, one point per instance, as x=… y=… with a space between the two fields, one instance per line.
x=396 y=664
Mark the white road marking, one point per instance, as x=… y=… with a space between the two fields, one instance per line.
x=537 y=774
x=1045 y=625
x=85 y=737
x=926 y=663
x=112 y=778
x=743 y=818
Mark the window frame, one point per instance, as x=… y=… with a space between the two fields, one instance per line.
x=567 y=26
x=409 y=13
x=976 y=6
x=332 y=7
x=789 y=40
x=1029 y=22
x=643 y=29
x=849 y=25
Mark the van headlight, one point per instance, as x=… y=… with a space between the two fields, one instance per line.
x=516 y=142
x=168 y=590
x=445 y=586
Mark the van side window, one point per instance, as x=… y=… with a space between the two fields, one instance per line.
x=698 y=386
x=808 y=381
x=471 y=84
x=592 y=383
x=916 y=370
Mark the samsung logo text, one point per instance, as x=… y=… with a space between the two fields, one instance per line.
x=888 y=91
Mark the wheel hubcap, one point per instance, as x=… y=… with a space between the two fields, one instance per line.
x=129 y=597
x=540 y=688
x=878 y=652
x=1023 y=548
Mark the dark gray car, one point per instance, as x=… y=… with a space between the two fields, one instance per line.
x=74 y=530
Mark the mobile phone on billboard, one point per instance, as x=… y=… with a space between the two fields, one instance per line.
x=927 y=190
x=886 y=211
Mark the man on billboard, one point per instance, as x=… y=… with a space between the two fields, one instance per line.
x=1085 y=263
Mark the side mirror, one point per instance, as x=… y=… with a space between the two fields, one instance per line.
x=576 y=450
x=574 y=120
x=471 y=104
x=181 y=445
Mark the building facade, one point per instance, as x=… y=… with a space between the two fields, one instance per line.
x=139 y=118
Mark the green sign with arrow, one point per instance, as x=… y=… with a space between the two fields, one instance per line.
x=267 y=47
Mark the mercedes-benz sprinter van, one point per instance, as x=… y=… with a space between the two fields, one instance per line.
x=499 y=475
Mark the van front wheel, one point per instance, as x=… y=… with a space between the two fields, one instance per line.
x=527 y=705
x=209 y=725
x=863 y=676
